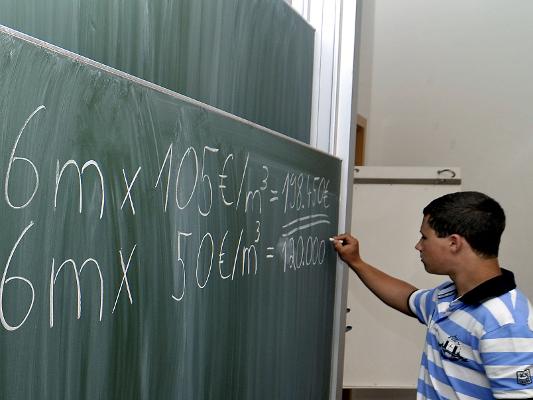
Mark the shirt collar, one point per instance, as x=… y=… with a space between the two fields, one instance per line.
x=493 y=287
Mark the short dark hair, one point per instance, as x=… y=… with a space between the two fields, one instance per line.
x=473 y=215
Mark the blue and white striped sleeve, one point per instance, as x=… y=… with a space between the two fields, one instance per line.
x=507 y=355
x=506 y=348
x=422 y=303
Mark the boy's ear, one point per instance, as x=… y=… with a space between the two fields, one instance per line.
x=456 y=242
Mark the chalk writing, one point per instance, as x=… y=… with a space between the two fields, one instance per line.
x=240 y=186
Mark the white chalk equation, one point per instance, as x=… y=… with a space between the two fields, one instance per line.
x=284 y=218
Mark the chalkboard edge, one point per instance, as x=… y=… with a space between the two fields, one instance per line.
x=300 y=16
x=150 y=85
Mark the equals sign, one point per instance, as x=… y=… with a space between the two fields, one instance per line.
x=274 y=196
x=270 y=249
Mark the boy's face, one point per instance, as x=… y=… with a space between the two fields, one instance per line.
x=434 y=251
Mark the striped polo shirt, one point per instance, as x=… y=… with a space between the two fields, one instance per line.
x=478 y=346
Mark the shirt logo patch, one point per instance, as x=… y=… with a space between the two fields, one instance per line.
x=451 y=349
x=523 y=377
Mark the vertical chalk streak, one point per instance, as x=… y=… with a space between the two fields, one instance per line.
x=242 y=180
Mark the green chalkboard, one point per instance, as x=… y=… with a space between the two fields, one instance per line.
x=252 y=58
x=153 y=247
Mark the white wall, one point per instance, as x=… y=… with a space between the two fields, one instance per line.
x=366 y=50
x=451 y=83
